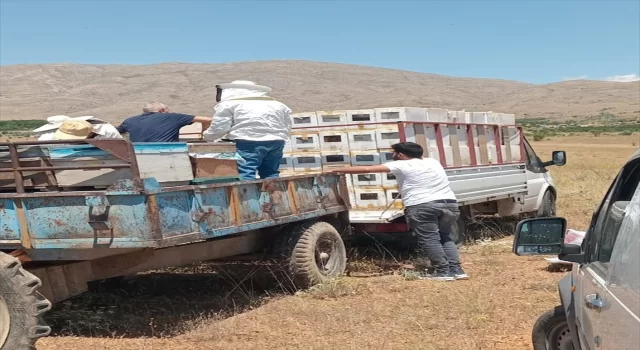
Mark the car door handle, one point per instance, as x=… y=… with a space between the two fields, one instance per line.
x=594 y=302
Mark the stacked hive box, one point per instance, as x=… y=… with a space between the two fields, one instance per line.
x=324 y=140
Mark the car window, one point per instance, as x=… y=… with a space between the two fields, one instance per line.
x=533 y=162
x=625 y=262
x=606 y=225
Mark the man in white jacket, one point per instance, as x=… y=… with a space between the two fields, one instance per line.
x=258 y=124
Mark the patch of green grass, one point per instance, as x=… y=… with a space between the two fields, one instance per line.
x=539 y=136
x=410 y=275
x=19 y=125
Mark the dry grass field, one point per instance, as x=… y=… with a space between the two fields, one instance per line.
x=207 y=307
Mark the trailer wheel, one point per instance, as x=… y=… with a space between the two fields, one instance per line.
x=21 y=306
x=548 y=207
x=315 y=253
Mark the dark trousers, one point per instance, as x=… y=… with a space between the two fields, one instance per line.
x=432 y=223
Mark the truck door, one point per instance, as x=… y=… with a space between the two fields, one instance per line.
x=536 y=179
x=608 y=287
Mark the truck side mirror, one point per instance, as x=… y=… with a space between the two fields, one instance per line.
x=559 y=158
x=540 y=236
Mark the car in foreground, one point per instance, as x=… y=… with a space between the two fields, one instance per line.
x=600 y=299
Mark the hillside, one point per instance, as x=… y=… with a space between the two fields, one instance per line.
x=117 y=91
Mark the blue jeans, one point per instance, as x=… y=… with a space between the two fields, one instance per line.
x=261 y=156
x=433 y=222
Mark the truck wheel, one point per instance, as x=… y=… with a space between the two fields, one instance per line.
x=551 y=331
x=459 y=231
x=548 y=207
x=21 y=306
x=315 y=253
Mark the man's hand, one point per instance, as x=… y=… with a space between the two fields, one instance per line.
x=205 y=121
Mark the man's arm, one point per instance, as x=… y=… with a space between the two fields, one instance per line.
x=288 y=122
x=367 y=169
x=122 y=128
x=221 y=123
x=205 y=121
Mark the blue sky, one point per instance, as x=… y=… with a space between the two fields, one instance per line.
x=534 y=41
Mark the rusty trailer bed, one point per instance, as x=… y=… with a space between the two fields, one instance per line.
x=141 y=213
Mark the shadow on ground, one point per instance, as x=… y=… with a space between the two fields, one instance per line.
x=172 y=301
x=167 y=302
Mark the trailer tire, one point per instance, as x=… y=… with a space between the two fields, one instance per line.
x=548 y=206
x=21 y=306
x=315 y=253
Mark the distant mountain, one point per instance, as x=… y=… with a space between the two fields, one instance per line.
x=115 y=92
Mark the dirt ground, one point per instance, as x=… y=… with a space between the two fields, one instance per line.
x=379 y=306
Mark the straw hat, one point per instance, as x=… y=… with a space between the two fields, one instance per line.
x=55 y=121
x=73 y=129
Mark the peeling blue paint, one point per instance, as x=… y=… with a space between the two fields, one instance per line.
x=125 y=218
x=9 y=225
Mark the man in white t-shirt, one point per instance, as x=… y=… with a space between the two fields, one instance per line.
x=431 y=207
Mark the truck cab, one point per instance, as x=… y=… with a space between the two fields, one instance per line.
x=600 y=299
x=541 y=196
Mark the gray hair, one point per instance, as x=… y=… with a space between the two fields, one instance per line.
x=154 y=107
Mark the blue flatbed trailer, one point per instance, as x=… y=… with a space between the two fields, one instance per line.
x=53 y=242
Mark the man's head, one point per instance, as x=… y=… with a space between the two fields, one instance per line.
x=155 y=107
x=240 y=89
x=406 y=150
x=72 y=129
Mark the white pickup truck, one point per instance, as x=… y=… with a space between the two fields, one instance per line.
x=509 y=180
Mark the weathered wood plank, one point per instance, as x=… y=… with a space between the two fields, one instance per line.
x=191 y=132
x=212 y=147
x=455 y=145
x=482 y=145
x=506 y=139
x=421 y=138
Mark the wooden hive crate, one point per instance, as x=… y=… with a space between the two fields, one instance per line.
x=213 y=160
x=167 y=162
x=191 y=132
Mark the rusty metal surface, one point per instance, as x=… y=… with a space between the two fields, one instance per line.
x=118 y=148
x=25 y=151
x=15 y=164
x=141 y=214
x=57 y=167
x=25 y=237
x=121 y=149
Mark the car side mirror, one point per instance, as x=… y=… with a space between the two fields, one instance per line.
x=559 y=158
x=540 y=236
x=545 y=236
